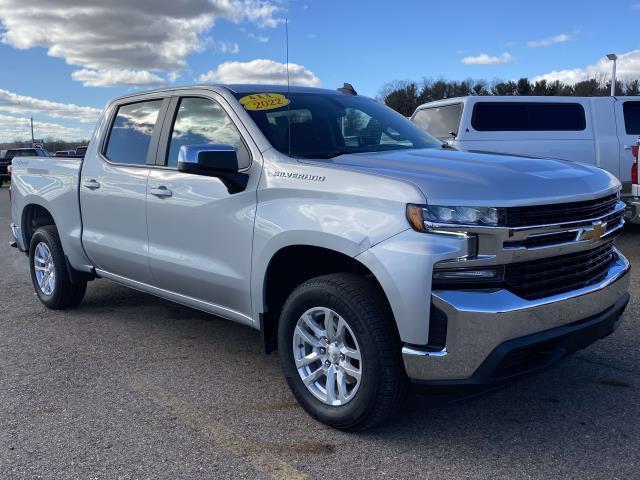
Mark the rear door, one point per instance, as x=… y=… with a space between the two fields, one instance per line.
x=628 y=125
x=113 y=190
x=200 y=235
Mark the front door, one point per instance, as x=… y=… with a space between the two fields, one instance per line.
x=113 y=190
x=200 y=235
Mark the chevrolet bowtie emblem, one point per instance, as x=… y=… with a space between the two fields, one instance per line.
x=594 y=233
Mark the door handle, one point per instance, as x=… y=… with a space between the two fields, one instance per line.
x=91 y=184
x=161 y=192
x=628 y=147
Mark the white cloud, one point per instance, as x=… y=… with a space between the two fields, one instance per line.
x=260 y=71
x=15 y=103
x=484 y=59
x=547 y=42
x=628 y=67
x=174 y=76
x=15 y=128
x=258 y=38
x=227 y=47
x=141 y=35
x=112 y=77
x=635 y=6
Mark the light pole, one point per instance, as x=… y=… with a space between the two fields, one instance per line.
x=613 y=57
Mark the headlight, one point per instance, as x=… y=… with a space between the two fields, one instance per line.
x=420 y=216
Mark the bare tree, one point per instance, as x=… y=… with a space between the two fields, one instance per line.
x=405 y=96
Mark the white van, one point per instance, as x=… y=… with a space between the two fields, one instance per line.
x=599 y=131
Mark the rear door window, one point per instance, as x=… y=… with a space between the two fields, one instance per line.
x=441 y=122
x=631 y=111
x=528 y=116
x=131 y=132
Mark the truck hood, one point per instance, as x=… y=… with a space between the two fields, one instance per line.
x=450 y=177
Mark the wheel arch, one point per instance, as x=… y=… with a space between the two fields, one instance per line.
x=292 y=265
x=34 y=216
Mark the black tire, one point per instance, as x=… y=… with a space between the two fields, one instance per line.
x=65 y=294
x=360 y=302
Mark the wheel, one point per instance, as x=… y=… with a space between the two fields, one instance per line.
x=340 y=351
x=49 y=272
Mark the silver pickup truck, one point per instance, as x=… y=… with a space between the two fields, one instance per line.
x=370 y=256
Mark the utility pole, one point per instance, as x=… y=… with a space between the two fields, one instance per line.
x=613 y=57
x=32 y=139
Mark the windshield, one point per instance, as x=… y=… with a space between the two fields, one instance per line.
x=321 y=125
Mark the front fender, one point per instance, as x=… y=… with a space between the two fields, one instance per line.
x=321 y=205
x=403 y=266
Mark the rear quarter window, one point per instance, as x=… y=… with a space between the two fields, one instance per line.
x=441 y=122
x=528 y=116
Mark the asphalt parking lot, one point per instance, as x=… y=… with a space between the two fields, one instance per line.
x=129 y=386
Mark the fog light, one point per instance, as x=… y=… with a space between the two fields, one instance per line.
x=468 y=277
x=465 y=274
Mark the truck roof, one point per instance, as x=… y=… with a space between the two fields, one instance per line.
x=238 y=88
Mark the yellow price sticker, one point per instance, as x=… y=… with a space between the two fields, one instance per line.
x=264 y=101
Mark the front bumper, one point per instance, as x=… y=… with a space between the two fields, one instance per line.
x=486 y=331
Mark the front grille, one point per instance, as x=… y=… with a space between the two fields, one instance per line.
x=560 y=212
x=550 y=276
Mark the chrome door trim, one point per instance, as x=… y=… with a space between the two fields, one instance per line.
x=201 y=305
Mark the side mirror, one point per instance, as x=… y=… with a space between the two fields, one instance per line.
x=213 y=160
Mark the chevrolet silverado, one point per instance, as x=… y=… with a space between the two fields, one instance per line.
x=372 y=258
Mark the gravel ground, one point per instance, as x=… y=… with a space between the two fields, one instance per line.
x=129 y=386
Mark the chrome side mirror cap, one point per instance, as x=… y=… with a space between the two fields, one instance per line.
x=213 y=160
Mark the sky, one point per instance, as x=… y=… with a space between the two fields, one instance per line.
x=62 y=60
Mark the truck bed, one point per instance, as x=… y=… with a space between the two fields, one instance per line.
x=51 y=183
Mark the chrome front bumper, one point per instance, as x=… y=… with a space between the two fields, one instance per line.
x=479 y=322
